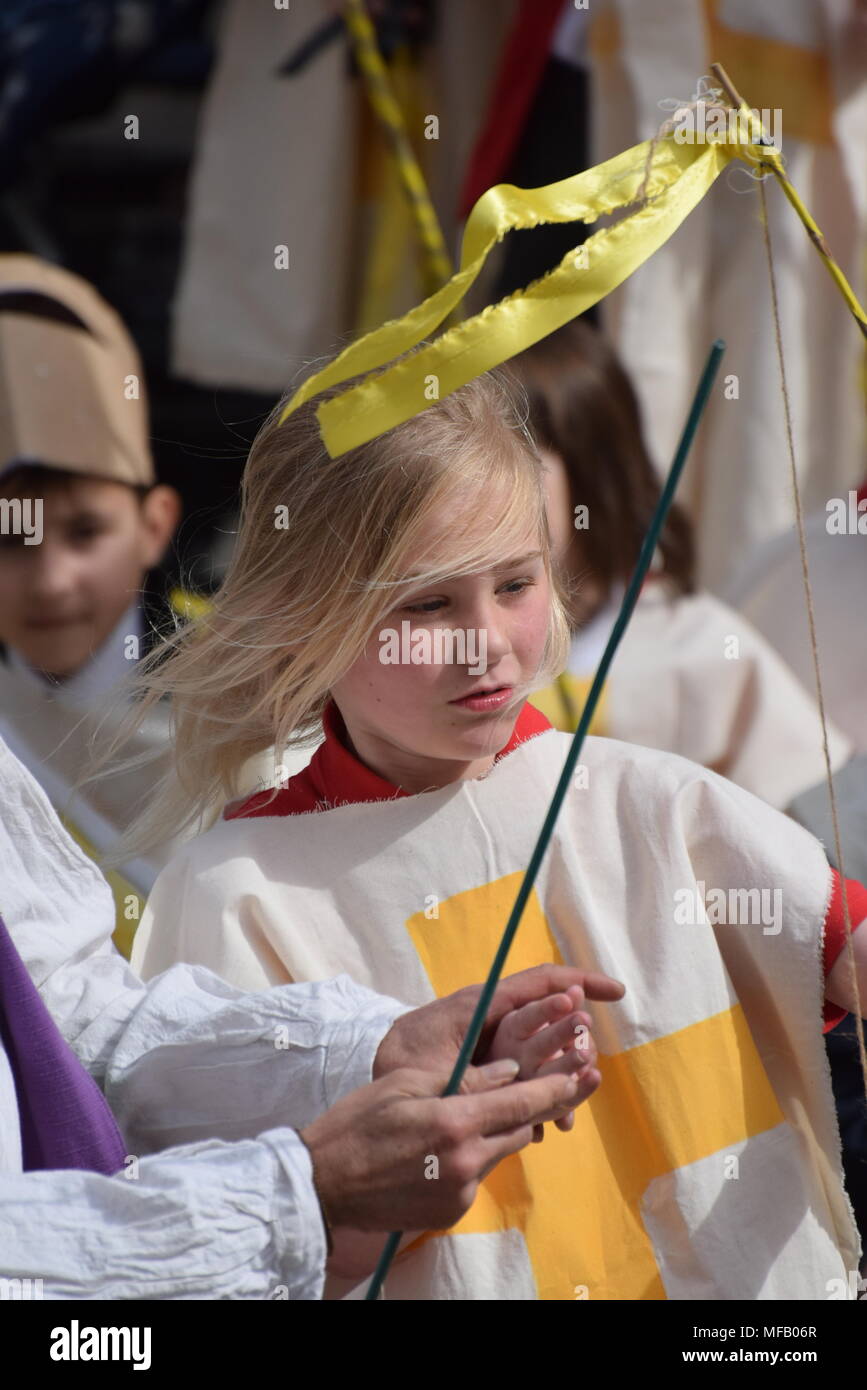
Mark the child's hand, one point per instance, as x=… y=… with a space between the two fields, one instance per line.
x=549 y=1035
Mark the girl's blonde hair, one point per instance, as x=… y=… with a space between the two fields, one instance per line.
x=323 y=547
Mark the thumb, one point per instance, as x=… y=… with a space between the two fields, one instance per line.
x=601 y=987
x=489 y=1077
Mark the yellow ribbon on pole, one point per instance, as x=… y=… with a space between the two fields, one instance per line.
x=673 y=178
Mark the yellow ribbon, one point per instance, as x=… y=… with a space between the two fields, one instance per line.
x=675 y=178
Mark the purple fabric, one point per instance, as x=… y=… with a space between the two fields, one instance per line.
x=65 y=1119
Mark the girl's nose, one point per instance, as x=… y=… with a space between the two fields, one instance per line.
x=492 y=633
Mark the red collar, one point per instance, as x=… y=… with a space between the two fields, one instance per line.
x=862 y=492
x=335 y=777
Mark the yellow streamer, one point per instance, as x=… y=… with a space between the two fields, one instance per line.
x=675 y=177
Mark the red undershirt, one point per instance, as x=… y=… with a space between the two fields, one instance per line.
x=336 y=777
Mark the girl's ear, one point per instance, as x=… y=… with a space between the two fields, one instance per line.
x=160 y=513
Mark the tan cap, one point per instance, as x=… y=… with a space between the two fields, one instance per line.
x=72 y=393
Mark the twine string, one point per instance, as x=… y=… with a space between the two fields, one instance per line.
x=811 y=624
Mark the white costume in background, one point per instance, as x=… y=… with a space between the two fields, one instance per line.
x=56 y=729
x=187 y=1063
x=692 y=677
x=711 y=280
x=49 y=727
x=715 y=1056
x=769 y=591
x=260 y=182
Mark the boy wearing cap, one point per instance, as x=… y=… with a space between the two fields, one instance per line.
x=82 y=523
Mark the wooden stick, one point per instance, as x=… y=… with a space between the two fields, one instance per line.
x=812 y=230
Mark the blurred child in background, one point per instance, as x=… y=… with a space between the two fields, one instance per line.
x=84 y=525
x=691 y=675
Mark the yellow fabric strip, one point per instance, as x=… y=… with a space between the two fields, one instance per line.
x=680 y=175
x=501 y=330
x=188 y=605
x=580 y=198
x=563 y=700
x=128 y=903
x=577 y=1198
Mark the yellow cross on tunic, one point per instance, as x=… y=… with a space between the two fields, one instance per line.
x=680 y=1098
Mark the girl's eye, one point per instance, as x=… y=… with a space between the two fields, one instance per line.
x=431 y=605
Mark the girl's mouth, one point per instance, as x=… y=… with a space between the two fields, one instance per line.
x=485 y=700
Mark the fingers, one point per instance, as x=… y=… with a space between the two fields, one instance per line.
x=589 y=1080
x=488 y=1077
x=525 y=1103
x=500 y=1145
x=602 y=987
x=569 y=1064
x=528 y=1020
x=517 y=990
x=571 y=1035
x=527 y=986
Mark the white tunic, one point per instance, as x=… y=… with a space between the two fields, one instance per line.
x=770 y=593
x=707 y=1165
x=711 y=279
x=187 y=1063
x=693 y=677
x=52 y=729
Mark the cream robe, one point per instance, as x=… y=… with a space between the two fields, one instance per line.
x=277 y=164
x=770 y=593
x=693 y=677
x=711 y=280
x=707 y=1166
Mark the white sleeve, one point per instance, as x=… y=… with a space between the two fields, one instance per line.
x=206 y=1221
x=187 y=1056
x=199 y=1059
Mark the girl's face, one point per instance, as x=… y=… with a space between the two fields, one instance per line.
x=437 y=691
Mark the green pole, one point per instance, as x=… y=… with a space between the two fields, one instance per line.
x=630 y=598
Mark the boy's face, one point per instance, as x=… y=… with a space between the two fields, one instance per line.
x=410 y=721
x=61 y=599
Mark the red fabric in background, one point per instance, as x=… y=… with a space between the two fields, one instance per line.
x=835 y=931
x=525 y=54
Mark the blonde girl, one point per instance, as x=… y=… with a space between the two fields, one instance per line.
x=395 y=856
